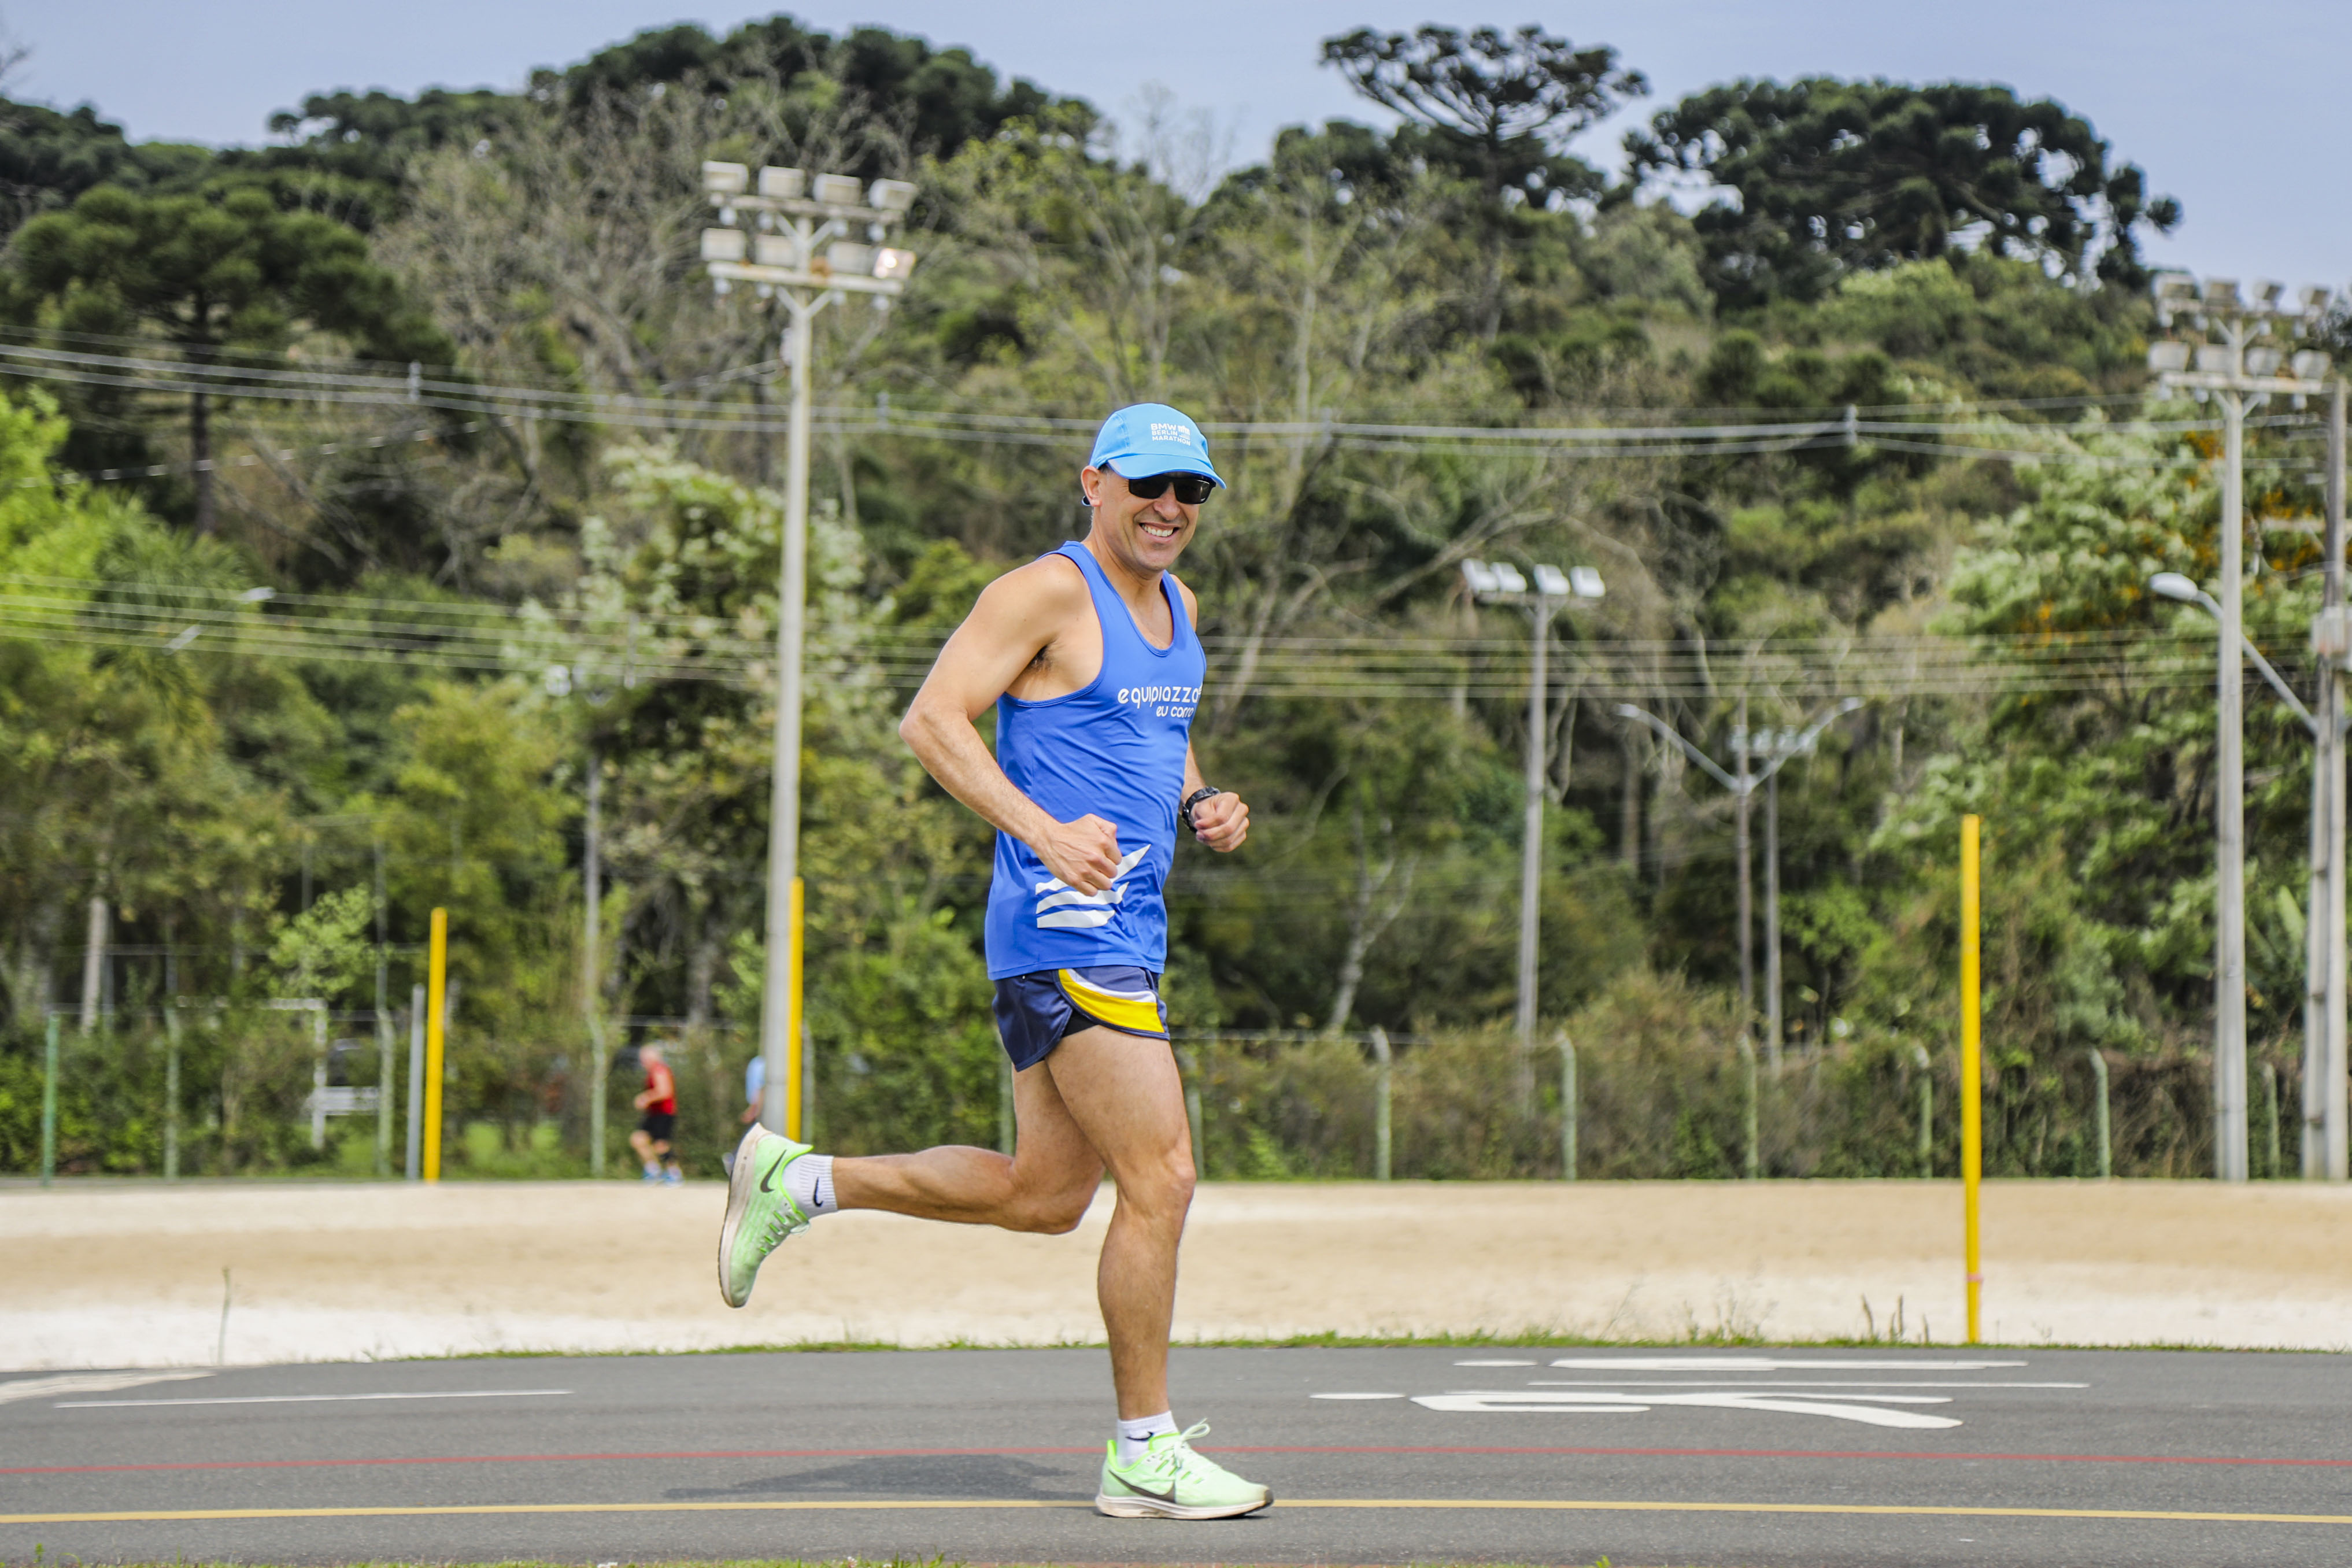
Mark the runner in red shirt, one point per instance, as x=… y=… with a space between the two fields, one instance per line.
x=660 y=1103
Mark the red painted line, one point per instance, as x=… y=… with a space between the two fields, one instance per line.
x=1223 y=1447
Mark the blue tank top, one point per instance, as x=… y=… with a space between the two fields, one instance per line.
x=1114 y=749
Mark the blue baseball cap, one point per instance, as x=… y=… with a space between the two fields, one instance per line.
x=1147 y=438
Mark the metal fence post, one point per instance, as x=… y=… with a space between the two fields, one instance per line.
x=1754 y=1160
x=50 y=1103
x=1568 y=1108
x=2106 y=1142
x=1926 y=1110
x=171 y=1090
x=417 y=1086
x=2271 y=1104
x=1382 y=1060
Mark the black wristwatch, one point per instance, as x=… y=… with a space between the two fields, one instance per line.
x=1195 y=798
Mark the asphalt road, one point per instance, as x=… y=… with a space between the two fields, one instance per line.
x=1814 y=1456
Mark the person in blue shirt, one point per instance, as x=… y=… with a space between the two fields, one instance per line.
x=1090 y=657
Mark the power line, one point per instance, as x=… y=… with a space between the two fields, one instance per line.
x=510 y=404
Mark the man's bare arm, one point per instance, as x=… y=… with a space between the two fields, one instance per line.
x=1018 y=615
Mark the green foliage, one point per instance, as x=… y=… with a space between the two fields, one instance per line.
x=1891 y=245
x=321 y=952
x=1834 y=176
x=1493 y=106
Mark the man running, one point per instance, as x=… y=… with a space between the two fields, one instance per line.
x=1090 y=657
x=657 y=1126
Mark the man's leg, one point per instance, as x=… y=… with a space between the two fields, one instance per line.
x=1045 y=1185
x=1103 y=1098
x=1123 y=1092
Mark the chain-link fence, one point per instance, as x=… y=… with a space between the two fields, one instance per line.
x=1661 y=1090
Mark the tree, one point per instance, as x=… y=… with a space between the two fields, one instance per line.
x=1496 y=109
x=218 y=275
x=48 y=158
x=1827 y=176
x=1497 y=106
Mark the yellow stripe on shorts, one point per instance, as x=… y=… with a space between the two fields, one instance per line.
x=1138 y=1011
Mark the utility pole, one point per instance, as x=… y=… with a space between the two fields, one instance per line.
x=1499 y=583
x=591 y=985
x=809 y=251
x=2230 y=368
x=2337 y=1068
x=1776 y=750
x=2326 y=846
x=1772 y=1005
x=1743 y=788
x=2326 y=1069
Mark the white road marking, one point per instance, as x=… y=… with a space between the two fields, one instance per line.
x=1765 y=1363
x=87 y=1383
x=1513 y=1402
x=1494 y=1363
x=1769 y=1382
x=312 y=1398
x=1355 y=1396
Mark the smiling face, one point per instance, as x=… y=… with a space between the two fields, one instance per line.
x=1142 y=537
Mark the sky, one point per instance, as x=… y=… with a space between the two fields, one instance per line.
x=2240 y=111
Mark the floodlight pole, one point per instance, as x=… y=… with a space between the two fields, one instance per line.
x=2327 y=1085
x=783 y=958
x=1540 y=612
x=1553 y=591
x=2229 y=1161
x=2234 y=322
x=795 y=271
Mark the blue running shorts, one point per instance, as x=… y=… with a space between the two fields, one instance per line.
x=1035 y=1011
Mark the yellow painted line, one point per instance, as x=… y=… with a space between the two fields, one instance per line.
x=176 y=1515
x=829 y=1505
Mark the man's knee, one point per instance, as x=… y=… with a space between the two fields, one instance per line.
x=1055 y=1212
x=1162 y=1186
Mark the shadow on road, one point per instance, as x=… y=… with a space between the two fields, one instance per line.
x=940 y=1476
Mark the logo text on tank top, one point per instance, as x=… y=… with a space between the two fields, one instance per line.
x=1165 y=702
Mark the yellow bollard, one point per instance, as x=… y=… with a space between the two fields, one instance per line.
x=793 y=1021
x=436 y=982
x=1971 y=1069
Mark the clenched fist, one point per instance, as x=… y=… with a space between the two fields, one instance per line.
x=1084 y=854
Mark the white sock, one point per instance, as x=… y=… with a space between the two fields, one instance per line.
x=1134 y=1435
x=809 y=1179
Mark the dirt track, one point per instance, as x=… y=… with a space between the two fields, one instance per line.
x=131 y=1275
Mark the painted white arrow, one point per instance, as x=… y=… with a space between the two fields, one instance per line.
x=1868 y=1409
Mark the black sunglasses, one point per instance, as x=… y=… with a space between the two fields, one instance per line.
x=1191 y=489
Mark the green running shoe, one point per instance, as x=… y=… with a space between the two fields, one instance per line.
x=1170 y=1482
x=760 y=1213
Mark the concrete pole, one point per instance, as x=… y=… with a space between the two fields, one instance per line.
x=1740 y=794
x=2335 y=1068
x=1531 y=832
x=414 y=1167
x=1569 y=1102
x=784 y=800
x=383 y=1069
x=93 y=964
x=591 y=982
x=2230 y=802
x=1772 y=917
